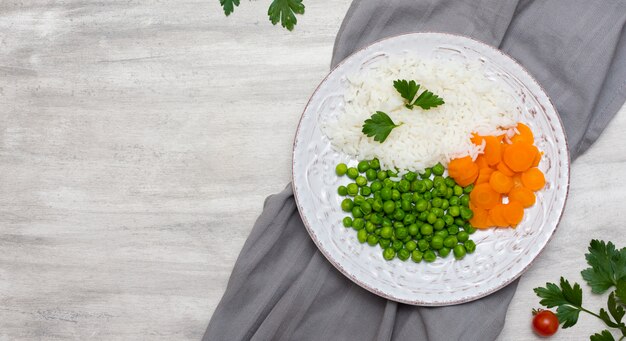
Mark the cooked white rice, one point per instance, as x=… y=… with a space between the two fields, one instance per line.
x=472 y=104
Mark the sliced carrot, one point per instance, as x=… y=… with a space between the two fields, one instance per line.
x=513 y=212
x=456 y=167
x=484 y=196
x=517 y=180
x=522 y=195
x=476 y=139
x=493 y=151
x=525 y=134
x=502 y=167
x=480 y=219
x=481 y=161
x=519 y=156
x=484 y=175
x=468 y=178
x=500 y=182
x=533 y=179
x=537 y=159
x=497 y=215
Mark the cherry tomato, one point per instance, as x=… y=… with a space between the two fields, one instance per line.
x=545 y=323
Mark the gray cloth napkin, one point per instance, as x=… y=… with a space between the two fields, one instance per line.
x=282 y=287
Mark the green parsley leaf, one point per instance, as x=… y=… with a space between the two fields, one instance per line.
x=229 y=6
x=285 y=11
x=620 y=292
x=604 y=336
x=567 y=298
x=608 y=266
x=604 y=316
x=616 y=310
x=408 y=90
x=379 y=126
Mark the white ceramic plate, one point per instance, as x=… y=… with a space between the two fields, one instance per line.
x=501 y=255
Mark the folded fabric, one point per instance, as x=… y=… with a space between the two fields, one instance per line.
x=282 y=287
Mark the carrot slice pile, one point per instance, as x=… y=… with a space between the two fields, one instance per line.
x=505 y=176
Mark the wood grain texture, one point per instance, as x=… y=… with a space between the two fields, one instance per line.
x=138 y=140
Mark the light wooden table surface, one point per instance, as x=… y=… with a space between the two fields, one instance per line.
x=138 y=140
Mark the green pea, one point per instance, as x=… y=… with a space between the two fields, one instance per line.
x=431 y=218
x=371 y=239
x=469 y=228
x=442 y=233
x=450 y=241
x=377 y=196
x=356 y=212
x=392 y=174
x=361 y=181
x=358 y=200
x=347 y=222
x=423 y=216
x=358 y=223
x=342 y=190
x=398 y=224
x=406 y=205
x=423 y=245
x=407 y=239
x=448 y=219
x=470 y=246
x=352 y=173
x=366 y=208
x=366 y=191
x=385 y=193
x=454 y=211
x=459 y=251
x=437 y=202
x=353 y=189
x=453 y=229
x=462 y=236
x=438 y=181
x=389 y=206
x=450 y=182
x=403 y=254
x=444 y=252
x=381 y=175
x=449 y=193
x=370 y=174
x=341 y=169
x=464 y=200
x=347 y=205
x=445 y=204
x=458 y=190
x=389 y=253
x=410 y=245
x=426 y=173
x=404 y=186
x=429 y=184
x=361 y=236
x=367 y=216
x=413 y=230
x=397 y=245
x=407 y=196
x=442 y=189
x=389 y=183
x=437 y=211
x=395 y=195
x=401 y=233
x=454 y=201
x=436 y=243
x=384 y=243
x=363 y=166
x=376 y=186
x=410 y=176
x=370 y=227
x=409 y=219
x=427 y=196
x=426 y=229
x=430 y=256
x=377 y=206
x=439 y=224
x=376 y=218
x=466 y=213
x=386 y=232
x=387 y=222
x=417 y=256
x=438 y=169
x=377 y=231
x=374 y=164
x=418 y=186
x=421 y=205
x=468 y=189
x=398 y=214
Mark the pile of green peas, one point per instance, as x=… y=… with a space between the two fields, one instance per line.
x=417 y=216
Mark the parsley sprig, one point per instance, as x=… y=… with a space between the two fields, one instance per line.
x=379 y=126
x=608 y=270
x=409 y=89
x=283 y=11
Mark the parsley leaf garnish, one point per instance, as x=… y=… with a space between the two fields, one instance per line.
x=285 y=11
x=408 y=90
x=604 y=336
x=229 y=6
x=608 y=266
x=567 y=299
x=379 y=126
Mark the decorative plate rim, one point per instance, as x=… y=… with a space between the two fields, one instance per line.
x=418 y=302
